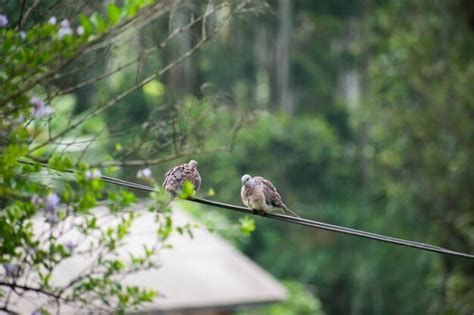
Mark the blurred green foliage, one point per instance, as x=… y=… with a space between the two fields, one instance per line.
x=396 y=161
x=40 y=207
x=394 y=157
x=300 y=301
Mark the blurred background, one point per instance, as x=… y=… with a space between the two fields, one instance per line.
x=361 y=114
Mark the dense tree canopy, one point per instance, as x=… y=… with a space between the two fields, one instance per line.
x=359 y=112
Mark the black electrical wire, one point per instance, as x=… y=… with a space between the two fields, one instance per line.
x=290 y=219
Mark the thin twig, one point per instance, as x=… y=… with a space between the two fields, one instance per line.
x=84 y=49
x=28 y=12
x=148 y=162
x=132 y=89
x=144 y=54
x=28 y=288
x=22 y=10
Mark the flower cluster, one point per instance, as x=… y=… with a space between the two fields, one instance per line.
x=50 y=206
x=11 y=270
x=51 y=203
x=40 y=109
x=144 y=173
x=92 y=174
x=3 y=20
x=64 y=29
x=52 y=20
x=36 y=200
x=70 y=245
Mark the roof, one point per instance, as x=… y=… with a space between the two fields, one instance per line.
x=205 y=272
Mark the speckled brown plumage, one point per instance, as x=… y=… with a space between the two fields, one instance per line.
x=259 y=194
x=178 y=175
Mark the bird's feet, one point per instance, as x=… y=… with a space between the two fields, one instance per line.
x=259 y=212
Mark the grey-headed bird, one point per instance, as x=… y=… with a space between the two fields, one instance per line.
x=259 y=194
x=178 y=175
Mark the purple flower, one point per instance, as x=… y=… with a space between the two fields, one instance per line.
x=3 y=20
x=52 y=202
x=37 y=102
x=52 y=219
x=65 y=24
x=45 y=111
x=52 y=20
x=30 y=250
x=70 y=245
x=64 y=29
x=80 y=30
x=36 y=200
x=11 y=270
x=94 y=173
x=40 y=109
x=144 y=173
x=36 y=312
x=20 y=119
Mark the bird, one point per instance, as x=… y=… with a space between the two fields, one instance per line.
x=259 y=194
x=178 y=175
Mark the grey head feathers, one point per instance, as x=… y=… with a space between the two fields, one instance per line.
x=244 y=179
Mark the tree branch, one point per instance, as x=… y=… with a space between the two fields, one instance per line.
x=24 y=17
x=86 y=48
x=146 y=52
x=145 y=81
x=32 y=289
x=148 y=162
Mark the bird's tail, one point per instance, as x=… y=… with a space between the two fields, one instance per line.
x=288 y=211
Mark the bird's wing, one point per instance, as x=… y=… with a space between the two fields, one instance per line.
x=173 y=179
x=170 y=174
x=167 y=176
x=272 y=197
x=191 y=173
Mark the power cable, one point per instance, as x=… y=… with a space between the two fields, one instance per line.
x=286 y=218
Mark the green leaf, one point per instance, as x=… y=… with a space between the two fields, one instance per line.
x=114 y=13
x=247 y=225
x=211 y=192
x=187 y=190
x=132 y=9
x=127 y=198
x=86 y=24
x=92 y=223
x=165 y=231
x=87 y=201
x=60 y=162
x=99 y=22
x=148 y=295
x=154 y=89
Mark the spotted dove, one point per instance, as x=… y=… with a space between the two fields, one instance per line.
x=178 y=175
x=259 y=194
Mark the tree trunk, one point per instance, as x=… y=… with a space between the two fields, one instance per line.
x=179 y=78
x=284 y=94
